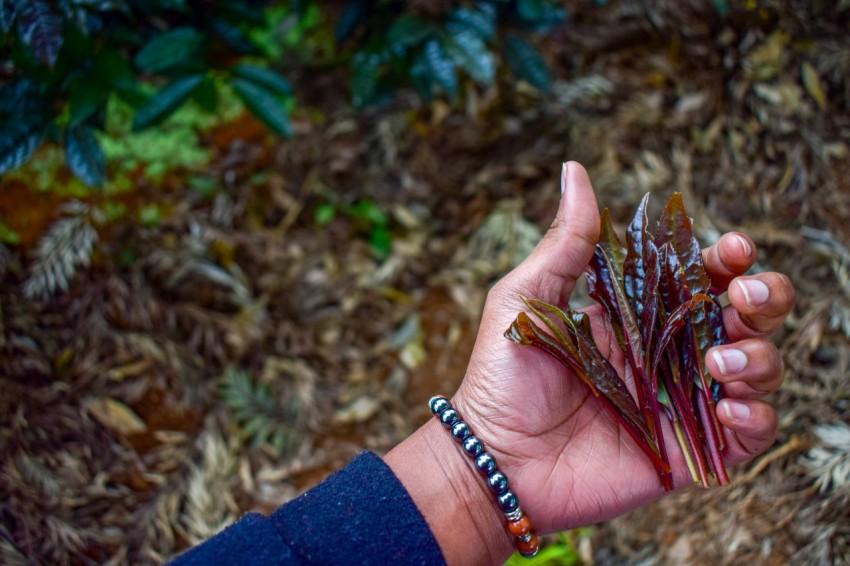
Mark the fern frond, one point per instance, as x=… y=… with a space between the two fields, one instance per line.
x=209 y=507
x=192 y=258
x=261 y=418
x=34 y=475
x=592 y=87
x=66 y=246
x=10 y=554
x=829 y=462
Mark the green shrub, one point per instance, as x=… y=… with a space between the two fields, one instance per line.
x=432 y=53
x=68 y=58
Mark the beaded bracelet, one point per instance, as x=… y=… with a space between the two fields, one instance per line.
x=518 y=524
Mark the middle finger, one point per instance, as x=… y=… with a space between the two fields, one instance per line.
x=758 y=305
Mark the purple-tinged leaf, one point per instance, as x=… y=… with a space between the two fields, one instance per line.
x=41 y=30
x=609 y=240
x=633 y=268
x=523 y=331
x=675 y=322
x=675 y=227
x=600 y=376
x=607 y=290
x=713 y=435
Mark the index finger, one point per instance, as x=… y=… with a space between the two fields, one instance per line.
x=730 y=256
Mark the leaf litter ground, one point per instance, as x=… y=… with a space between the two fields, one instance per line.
x=242 y=350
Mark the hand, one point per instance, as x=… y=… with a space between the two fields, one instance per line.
x=567 y=459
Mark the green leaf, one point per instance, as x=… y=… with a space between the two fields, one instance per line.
x=8 y=12
x=325 y=212
x=166 y=101
x=41 y=30
x=526 y=62
x=263 y=77
x=352 y=16
x=366 y=66
x=206 y=95
x=8 y=236
x=368 y=211
x=265 y=106
x=84 y=155
x=111 y=68
x=479 y=23
x=86 y=98
x=381 y=241
x=421 y=79
x=407 y=31
x=150 y=215
x=531 y=10
x=18 y=141
x=169 y=50
x=540 y=15
x=232 y=36
x=470 y=52
x=440 y=66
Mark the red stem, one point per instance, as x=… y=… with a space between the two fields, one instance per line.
x=711 y=438
x=661 y=466
x=685 y=412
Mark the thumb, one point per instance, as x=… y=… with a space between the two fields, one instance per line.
x=549 y=273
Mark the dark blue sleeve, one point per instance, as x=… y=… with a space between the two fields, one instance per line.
x=359 y=515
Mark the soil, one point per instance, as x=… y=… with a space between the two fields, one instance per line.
x=240 y=306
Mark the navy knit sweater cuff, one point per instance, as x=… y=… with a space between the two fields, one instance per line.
x=359 y=515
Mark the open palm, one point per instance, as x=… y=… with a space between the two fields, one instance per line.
x=569 y=461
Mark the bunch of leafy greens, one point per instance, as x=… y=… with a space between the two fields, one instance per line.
x=665 y=316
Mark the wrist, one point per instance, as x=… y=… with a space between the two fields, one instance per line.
x=452 y=497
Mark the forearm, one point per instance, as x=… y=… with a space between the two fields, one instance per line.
x=452 y=497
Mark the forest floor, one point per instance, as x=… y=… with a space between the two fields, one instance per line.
x=226 y=355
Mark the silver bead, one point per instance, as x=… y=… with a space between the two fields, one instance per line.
x=525 y=538
x=438 y=403
x=514 y=515
x=531 y=554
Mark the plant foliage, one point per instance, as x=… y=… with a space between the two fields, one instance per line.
x=434 y=52
x=660 y=305
x=257 y=411
x=68 y=57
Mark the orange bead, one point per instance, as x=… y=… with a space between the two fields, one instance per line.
x=528 y=548
x=521 y=526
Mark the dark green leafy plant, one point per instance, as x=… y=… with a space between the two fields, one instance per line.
x=368 y=219
x=660 y=305
x=257 y=411
x=432 y=53
x=70 y=56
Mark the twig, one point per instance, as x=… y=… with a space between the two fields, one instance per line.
x=794 y=444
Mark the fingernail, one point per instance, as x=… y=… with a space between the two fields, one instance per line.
x=745 y=245
x=736 y=411
x=563 y=177
x=755 y=292
x=729 y=360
